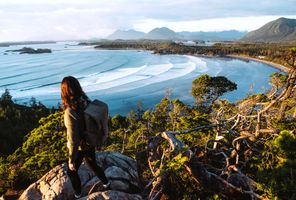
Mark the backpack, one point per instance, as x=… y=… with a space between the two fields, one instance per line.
x=96 y=123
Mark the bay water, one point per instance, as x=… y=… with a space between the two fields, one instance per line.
x=122 y=78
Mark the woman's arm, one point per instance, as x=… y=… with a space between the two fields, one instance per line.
x=73 y=138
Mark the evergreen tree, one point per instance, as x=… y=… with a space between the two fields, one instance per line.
x=207 y=89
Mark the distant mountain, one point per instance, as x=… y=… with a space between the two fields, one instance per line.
x=213 y=36
x=126 y=35
x=168 y=34
x=280 y=30
x=162 y=34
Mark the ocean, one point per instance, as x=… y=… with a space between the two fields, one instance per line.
x=122 y=78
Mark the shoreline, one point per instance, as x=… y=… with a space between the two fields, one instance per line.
x=272 y=64
x=278 y=66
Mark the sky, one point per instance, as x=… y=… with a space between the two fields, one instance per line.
x=88 y=19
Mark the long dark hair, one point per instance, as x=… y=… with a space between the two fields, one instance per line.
x=71 y=92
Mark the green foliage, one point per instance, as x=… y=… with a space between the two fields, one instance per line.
x=44 y=147
x=118 y=122
x=286 y=144
x=160 y=116
x=194 y=120
x=291 y=58
x=132 y=119
x=16 y=121
x=285 y=124
x=180 y=185
x=177 y=162
x=6 y=99
x=275 y=171
x=293 y=50
x=207 y=89
x=277 y=79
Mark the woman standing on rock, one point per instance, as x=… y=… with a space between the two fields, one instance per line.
x=75 y=101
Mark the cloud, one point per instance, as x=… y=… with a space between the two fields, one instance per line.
x=215 y=24
x=23 y=19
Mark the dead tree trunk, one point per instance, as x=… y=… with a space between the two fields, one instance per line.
x=286 y=93
x=240 y=186
x=218 y=185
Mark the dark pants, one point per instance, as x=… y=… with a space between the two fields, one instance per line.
x=90 y=159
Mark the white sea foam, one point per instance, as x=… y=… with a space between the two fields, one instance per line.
x=157 y=74
x=155 y=70
x=122 y=76
x=201 y=65
x=110 y=76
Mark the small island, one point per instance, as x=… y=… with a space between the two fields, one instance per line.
x=28 y=50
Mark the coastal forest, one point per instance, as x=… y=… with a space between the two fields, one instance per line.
x=213 y=149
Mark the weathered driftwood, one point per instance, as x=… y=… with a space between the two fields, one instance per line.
x=286 y=93
x=218 y=185
x=236 y=186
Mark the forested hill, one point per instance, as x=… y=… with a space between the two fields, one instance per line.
x=211 y=150
x=16 y=121
x=280 y=30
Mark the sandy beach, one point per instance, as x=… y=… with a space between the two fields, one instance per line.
x=275 y=65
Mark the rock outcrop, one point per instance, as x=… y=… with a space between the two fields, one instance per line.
x=119 y=169
x=28 y=50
